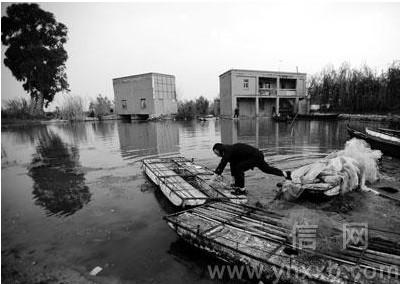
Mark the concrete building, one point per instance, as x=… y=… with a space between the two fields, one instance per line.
x=145 y=95
x=257 y=93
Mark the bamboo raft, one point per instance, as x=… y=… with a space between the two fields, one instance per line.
x=238 y=233
x=187 y=184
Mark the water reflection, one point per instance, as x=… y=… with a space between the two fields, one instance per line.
x=122 y=196
x=103 y=128
x=255 y=132
x=184 y=252
x=166 y=205
x=283 y=138
x=59 y=184
x=229 y=129
x=77 y=133
x=142 y=139
x=22 y=135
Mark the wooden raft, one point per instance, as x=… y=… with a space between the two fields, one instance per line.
x=262 y=239
x=187 y=184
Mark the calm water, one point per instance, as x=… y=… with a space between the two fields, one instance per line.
x=74 y=196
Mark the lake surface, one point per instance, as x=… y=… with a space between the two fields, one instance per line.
x=74 y=195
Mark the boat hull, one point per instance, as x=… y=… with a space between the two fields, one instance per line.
x=170 y=194
x=387 y=147
x=262 y=240
x=385 y=135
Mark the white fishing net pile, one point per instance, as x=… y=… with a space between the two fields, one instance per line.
x=366 y=158
x=339 y=172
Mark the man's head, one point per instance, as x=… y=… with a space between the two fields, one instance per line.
x=218 y=149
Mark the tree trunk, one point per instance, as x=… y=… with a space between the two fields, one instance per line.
x=32 y=105
x=39 y=104
x=36 y=106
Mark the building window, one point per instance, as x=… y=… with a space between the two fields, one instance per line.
x=124 y=106
x=245 y=83
x=143 y=103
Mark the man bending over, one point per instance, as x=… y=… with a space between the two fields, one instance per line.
x=243 y=157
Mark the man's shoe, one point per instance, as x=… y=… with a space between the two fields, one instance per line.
x=239 y=191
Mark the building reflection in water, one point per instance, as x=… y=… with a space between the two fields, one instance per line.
x=59 y=184
x=104 y=129
x=283 y=138
x=142 y=139
x=248 y=131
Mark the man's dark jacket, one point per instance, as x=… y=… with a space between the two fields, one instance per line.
x=237 y=153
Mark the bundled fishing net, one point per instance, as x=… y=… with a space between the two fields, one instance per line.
x=339 y=172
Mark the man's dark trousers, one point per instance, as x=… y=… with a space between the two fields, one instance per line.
x=238 y=169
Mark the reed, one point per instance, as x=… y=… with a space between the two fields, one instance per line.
x=17 y=108
x=72 y=108
x=355 y=90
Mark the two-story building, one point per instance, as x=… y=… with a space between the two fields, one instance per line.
x=260 y=93
x=145 y=95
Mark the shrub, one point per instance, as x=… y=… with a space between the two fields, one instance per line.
x=72 y=109
x=200 y=107
x=102 y=106
x=186 y=110
x=16 y=109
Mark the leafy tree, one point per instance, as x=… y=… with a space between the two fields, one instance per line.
x=202 y=105
x=102 y=106
x=191 y=109
x=186 y=110
x=35 y=52
x=214 y=107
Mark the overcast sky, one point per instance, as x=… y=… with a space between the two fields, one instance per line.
x=197 y=42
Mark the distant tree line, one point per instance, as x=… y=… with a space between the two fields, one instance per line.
x=72 y=108
x=201 y=106
x=357 y=90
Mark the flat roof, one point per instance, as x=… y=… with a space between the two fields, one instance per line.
x=144 y=75
x=263 y=71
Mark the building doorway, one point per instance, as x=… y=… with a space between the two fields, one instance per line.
x=266 y=106
x=247 y=106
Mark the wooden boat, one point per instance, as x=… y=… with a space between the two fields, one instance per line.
x=206 y=117
x=388 y=147
x=263 y=240
x=187 y=184
x=319 y=116
x=385 y=135
x=393 y=132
